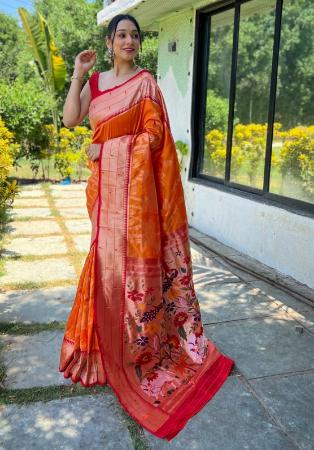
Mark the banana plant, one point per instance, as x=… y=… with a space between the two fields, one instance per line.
x=49 y=62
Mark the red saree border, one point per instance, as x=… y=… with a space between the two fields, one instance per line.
x=207 y=386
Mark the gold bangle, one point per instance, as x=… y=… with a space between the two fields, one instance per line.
x=76 y=78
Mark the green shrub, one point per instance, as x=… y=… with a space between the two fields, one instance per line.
x=8 y=150
x=25 y=108
x=216 y=112
x=148 y=57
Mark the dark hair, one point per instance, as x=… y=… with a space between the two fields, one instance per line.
x=112 y=26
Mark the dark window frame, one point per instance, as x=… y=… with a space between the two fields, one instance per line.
x=198 y=111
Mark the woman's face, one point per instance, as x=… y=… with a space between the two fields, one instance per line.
x=126 y=41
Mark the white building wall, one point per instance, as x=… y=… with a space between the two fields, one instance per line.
x=276 y=237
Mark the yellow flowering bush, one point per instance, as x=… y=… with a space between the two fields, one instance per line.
x=251 y=140
x=69 y=149
x=215 y=145
x=8 y=150
x=297 y=156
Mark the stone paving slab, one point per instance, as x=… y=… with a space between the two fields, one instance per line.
x=34 y=227
x=32 y=187
x=206 y=258
x=207 y=271
x=39 y=305
x=232 y=420
x=82 y=242
x=265 y=346
x=201 y=256
x=286 y=301
x=241 y=274
x=71 y=202
x=31 y=202
x=233 y=301
x=76 y=423
x=79 y=225
x=203 y=259
x=33 y=360
x=49 y=269
x=215 y=245
x=291 y=399
x=306 y=318
x=212 y=274
x=68 y=187
x=78 y=193
x=49 y=245
x=290 y=284
x=16 y=213
x=33 y=193
x=73 y=212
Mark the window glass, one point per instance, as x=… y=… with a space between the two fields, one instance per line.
x=292 y=169
x=217 y=95
x=255 y=49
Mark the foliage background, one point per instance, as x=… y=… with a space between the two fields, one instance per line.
x=25 y=105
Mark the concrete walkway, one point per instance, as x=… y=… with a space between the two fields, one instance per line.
x=266 y=403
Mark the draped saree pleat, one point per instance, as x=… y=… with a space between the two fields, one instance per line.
x=135 y=322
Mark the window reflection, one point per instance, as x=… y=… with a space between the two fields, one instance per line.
x=256 y=36
x=292 y=154
x=217 y=98
x=292 y=170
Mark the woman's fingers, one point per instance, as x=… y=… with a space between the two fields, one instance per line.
x=87 y=52
x=93 y=151
x=87 y=55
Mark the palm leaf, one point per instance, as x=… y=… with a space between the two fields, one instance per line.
x=56 y=66
x=35 y=40
x=50 y=63
x=59 y=72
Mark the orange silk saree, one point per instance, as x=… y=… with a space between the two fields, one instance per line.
x=135 y=322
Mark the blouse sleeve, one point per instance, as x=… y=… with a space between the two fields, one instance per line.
x=93 y=84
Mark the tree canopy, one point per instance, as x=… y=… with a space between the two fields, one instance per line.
x=11 y=40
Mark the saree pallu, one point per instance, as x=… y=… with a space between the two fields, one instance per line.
x=135 y=322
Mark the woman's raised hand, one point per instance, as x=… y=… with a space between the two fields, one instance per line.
x=84 y=61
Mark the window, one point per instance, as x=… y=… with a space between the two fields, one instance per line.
x=253 y=114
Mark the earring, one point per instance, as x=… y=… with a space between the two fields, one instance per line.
x=110 y=52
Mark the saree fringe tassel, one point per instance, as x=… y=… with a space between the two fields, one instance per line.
x=135 y=322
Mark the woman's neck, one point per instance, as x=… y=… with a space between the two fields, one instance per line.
x=123 y=69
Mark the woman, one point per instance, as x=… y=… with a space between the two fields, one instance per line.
x=135 y=322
